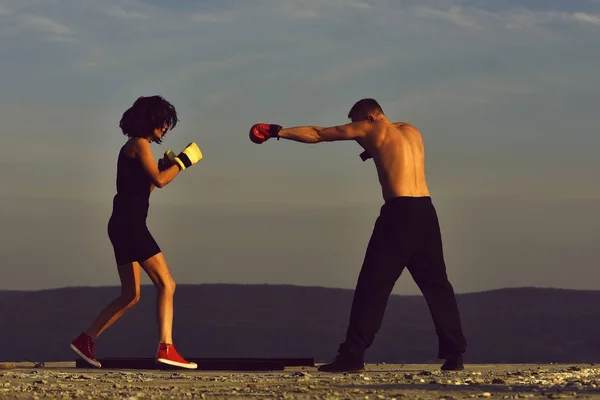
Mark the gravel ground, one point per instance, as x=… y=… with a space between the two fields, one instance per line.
x=382 y=381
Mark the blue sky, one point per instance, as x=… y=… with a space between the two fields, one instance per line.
x=506 y=95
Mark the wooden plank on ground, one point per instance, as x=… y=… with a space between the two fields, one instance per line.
x=286 y=361
x=211 y=364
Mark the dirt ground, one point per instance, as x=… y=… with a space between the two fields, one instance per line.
x=381 y=381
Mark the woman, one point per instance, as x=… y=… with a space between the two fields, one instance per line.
x=147 y=121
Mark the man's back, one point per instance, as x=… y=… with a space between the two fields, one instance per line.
x=398 y=153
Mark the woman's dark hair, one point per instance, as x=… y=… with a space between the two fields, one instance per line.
x=147 y=114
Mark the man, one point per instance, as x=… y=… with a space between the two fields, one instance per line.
x=406 y=233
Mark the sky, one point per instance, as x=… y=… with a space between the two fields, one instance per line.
x=506 y=94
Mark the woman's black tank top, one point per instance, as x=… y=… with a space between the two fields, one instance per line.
x=133 y=189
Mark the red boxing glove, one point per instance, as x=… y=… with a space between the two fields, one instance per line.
x=260 y=133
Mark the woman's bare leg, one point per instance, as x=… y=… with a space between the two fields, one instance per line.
x=158 y=271
x=130 y=295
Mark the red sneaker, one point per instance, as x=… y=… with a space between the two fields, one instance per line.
x=84 y=346
x=167 y=354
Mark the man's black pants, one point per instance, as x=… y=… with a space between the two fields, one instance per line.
x=406 y=234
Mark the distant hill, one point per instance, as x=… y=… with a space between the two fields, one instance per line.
x=218 y=320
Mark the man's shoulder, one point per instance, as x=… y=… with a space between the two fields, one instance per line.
x=399 y=126
x=404 y=125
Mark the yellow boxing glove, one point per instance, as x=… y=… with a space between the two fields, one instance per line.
x=188 y=157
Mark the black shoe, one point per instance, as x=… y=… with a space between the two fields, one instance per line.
x=453 y=363
x=344 y=363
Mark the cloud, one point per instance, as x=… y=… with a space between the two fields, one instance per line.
x=526 y=18
x=312 y=10
x=119 y=12
x=585 y=18
x=45 y=24
x=213 y=17
x=456 y=15
x=299 y=10
x=477 y=18
x=60 y=39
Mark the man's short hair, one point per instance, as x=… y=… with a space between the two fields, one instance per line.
x=363 y=108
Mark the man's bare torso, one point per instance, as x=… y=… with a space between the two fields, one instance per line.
x=398 y=153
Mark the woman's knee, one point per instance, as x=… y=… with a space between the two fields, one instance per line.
x=170 y=285
x=130 y=299
x=166 y=285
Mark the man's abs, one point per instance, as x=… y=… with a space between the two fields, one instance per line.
x=399 y=158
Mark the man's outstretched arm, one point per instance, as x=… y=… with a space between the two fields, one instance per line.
x=259 y=133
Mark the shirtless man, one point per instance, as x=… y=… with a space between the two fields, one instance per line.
x=406 y=233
